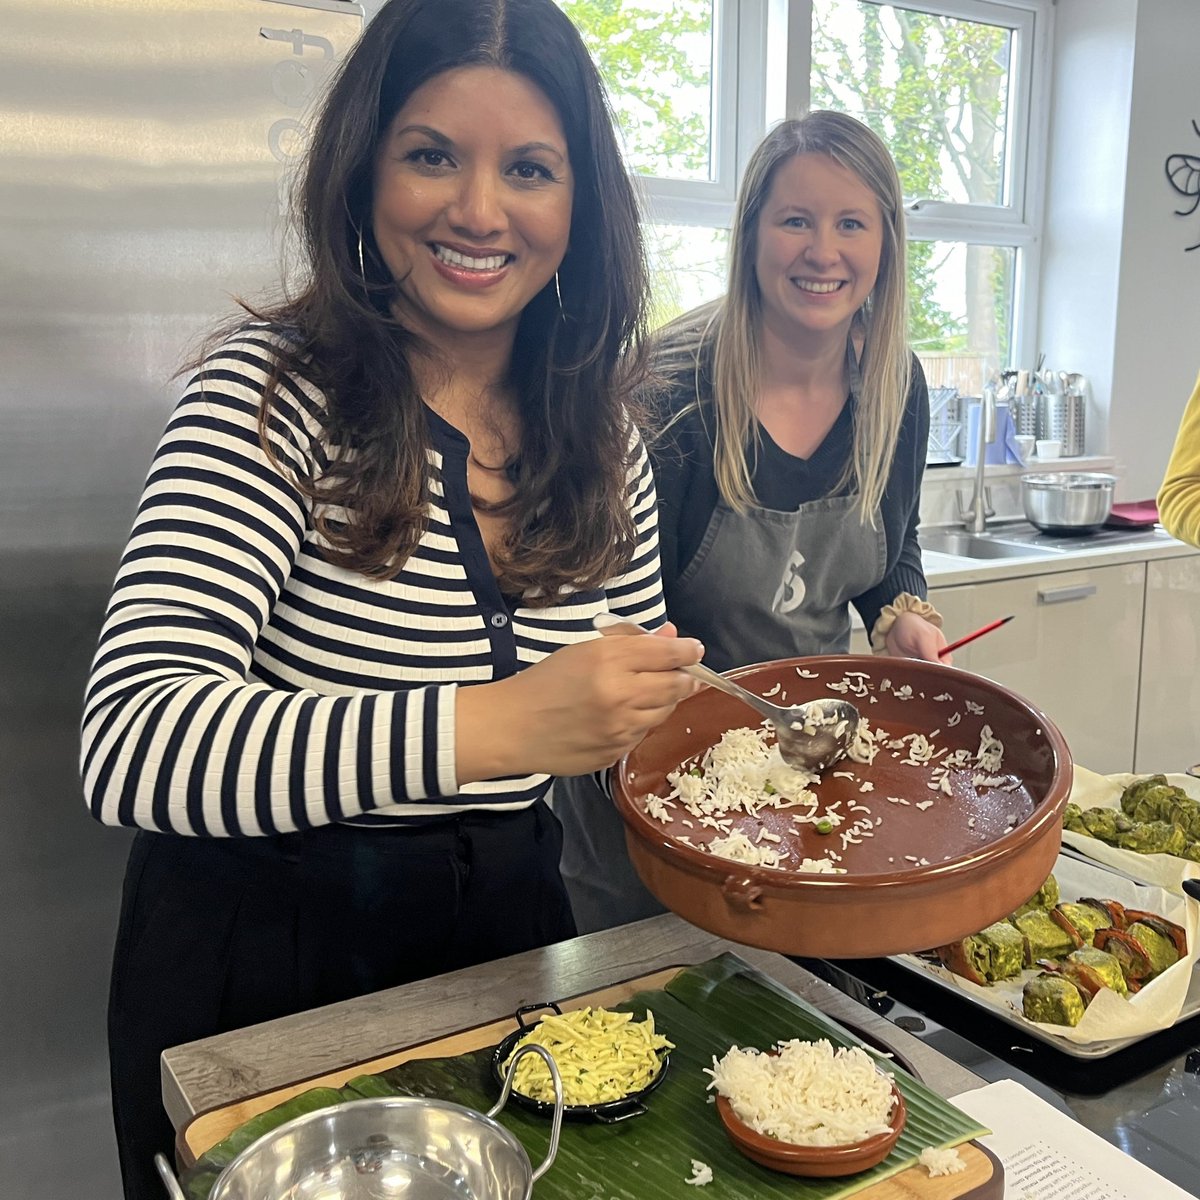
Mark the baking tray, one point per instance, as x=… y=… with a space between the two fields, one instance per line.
x=1093 y=1050
x=1088 y=1051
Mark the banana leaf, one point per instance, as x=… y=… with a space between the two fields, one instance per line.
x=704 y=1010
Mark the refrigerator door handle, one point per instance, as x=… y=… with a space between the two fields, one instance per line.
x=335 y=6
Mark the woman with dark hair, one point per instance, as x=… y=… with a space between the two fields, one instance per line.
x=795 y=423
x=351 y=636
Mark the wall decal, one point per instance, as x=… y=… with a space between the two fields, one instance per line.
x=1183 y=172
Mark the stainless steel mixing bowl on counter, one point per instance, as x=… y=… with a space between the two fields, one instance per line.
x=1067 y=502
x=386 y=1148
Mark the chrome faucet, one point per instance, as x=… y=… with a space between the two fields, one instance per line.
x=975 y=517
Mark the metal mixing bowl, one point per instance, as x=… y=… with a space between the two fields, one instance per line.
x=1068 y=501
x=386 y=1148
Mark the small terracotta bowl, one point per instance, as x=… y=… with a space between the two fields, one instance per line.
x=817 y=1161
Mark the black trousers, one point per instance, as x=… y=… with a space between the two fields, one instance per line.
x=216 y=934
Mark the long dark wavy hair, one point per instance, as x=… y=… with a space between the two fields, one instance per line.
x=573 y=369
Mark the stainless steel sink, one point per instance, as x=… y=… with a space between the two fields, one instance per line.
x=979 y=545
x=1019 y=539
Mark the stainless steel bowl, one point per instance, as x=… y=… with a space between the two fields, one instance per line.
x=387 y=1148
x=1068 y=501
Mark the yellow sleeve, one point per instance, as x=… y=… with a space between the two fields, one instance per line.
x=1179 y=496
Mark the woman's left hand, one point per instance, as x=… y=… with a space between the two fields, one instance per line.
x=911 y=636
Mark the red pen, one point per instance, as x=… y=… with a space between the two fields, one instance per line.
x=970 y=637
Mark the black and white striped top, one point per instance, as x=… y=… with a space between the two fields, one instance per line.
x=245 y=686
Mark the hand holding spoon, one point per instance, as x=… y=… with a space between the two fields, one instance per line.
x=811 y=736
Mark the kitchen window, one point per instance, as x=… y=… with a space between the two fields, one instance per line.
x=952 y=86
x=957 y=88
x=694 y=87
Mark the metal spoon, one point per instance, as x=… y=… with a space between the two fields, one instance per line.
x=811 y=736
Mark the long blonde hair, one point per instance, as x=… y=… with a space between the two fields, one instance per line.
x=729 y=331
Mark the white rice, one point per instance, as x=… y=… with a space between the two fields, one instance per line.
x=941 y=1162
x=744 y=774
x=737 y=847
x=809 y=1094
x=820 y=866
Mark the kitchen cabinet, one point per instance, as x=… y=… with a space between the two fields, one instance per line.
x=1168 y=727
x=1073 y=649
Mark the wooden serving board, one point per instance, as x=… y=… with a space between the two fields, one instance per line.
x=205 y=1130
x=982 y=1180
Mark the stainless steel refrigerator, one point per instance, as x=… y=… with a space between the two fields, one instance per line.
x=145 y=147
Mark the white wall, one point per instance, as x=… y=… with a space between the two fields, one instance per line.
x=1120 y=296
x=1157 y=352
x=1085 y=188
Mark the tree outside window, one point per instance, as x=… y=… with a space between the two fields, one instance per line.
x=946 y=83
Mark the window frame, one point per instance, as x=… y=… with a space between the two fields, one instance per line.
x=1019 y=223
x=748 y=96
x=762 y=69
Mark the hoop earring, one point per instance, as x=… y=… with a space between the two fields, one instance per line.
x=362 y=270
x=562 y=312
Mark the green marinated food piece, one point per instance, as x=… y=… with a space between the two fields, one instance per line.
x=1044 y=937
x=1153 y=837
x=1154 y=799
x=1085 y=919
x=1192 y=852
x=1101 y=822
x=1052 y=1000
x=1101 y=964
x=1155 y=818
x=1005 y=951
x=1045 y=898
x=968 y=957
x=1159 y=949
x=1185 y=813
x=1137 y=790
x=1152 y=804
x=1073 y=818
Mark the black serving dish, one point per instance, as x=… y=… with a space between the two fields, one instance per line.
x=607 y=1113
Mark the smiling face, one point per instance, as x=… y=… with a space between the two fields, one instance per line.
x=819 y=244
x=473 y=195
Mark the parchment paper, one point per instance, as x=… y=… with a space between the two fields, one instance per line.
x=1108 y=1016
x=1104 y=791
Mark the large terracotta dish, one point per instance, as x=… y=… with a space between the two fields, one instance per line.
x=924 y=877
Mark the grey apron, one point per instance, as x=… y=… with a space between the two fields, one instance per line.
x=765 y=584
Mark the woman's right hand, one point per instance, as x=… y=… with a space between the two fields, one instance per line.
x=578 y=710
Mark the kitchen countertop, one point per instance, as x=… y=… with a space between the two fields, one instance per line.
x=1146 y=1099
x=217 y=1071
x=944 y=570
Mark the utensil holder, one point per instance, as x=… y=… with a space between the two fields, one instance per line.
x=1025 y=414
x=1061 y=419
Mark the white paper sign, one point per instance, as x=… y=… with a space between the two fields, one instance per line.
x=1049 y=1156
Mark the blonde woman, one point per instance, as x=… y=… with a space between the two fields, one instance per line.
x=794 y=425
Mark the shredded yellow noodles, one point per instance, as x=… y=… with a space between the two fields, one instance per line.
x=601 y=1056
